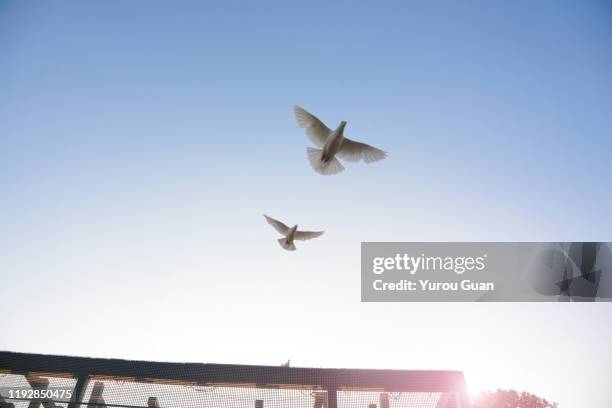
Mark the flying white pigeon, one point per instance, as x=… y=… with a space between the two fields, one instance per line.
x=332 y=143
x=291 y=234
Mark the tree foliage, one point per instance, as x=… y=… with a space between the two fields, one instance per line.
x=511 y=399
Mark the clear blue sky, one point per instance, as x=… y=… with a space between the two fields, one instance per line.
x=140 y=143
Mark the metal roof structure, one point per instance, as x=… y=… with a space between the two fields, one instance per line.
x=115 y=383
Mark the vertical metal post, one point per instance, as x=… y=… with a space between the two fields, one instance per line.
x=384 y=400
x=79 y=392
x=332 y=398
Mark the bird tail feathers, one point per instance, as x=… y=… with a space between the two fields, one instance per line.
x=287 y=246
x=326 y=168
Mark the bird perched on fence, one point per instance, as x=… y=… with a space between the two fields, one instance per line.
x=286 y=364
x=96 y=400
x=332 y=143
x=152 y=402
x=291 y=234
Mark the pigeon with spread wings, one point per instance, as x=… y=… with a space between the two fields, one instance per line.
x=332 y=143
x=291 y=234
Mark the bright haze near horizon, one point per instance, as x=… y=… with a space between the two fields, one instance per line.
x=141 y=142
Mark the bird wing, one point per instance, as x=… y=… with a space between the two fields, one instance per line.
x=316 y=130
x=353 y=151
x=306 y=235
x=279 y=226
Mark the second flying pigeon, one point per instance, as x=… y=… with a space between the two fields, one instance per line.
x=291 y=234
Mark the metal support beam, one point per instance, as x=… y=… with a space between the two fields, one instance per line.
x=40 y=384
x=79 y=391
x=332 y=397
x=4 y=404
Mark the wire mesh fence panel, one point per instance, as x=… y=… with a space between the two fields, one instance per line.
x=120 y=393
x=35 y=390
x=378 y=399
